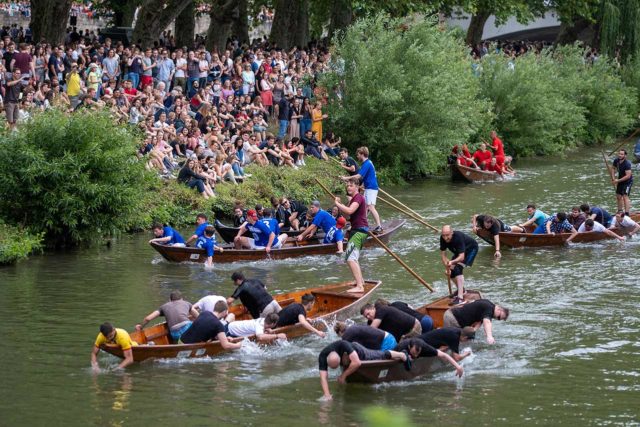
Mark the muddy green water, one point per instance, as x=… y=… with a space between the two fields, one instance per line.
x=569 y=354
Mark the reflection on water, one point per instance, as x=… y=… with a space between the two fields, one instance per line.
x=568 y=353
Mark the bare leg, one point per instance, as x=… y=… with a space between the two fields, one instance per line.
x=374 y=212
x=357 y=275
x=340 y=247
x=627 y=203
x=620 y=201
x=517 y=229
x=459 y=281
x=398 y=355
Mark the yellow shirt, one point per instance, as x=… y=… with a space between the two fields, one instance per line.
x=122 y=339
x=73 y=84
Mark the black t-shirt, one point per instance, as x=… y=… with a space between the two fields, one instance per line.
x=369 y=337
x=350 y=162
x=253 y=295
x=473 y=312
x=394 y=321
x=427 y=350
x=443 y=336
x=12 y=93
x=289 y=314
x=341 y=347
x=496 y=227
x=623 y=167
x=206 y=327
x=7 y=57
x=459 y=243
x=404 y=307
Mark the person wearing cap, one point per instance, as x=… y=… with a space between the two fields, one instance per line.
x=176 y=311
x=323 y=219
x=449 y=339
x=263 y=237
x=93 y=78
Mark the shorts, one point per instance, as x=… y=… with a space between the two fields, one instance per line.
x=252 y=244
x=370 y=196
x=272 y=307
x=356 y=242
x=333 y=236
x=11 y=108
x=449 y=320
x=177 y=333
x=624 y=188
x=469 y=257
x=178 y=245
x=389 y=342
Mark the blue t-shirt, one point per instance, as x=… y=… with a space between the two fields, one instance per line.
x=324 y=220
x=368 y=174
x=175 y=236
x=261 y=233
x=334 y=235
x=272 y=223
x=206 y=243
x=539 y=217
x=602 y=216
x=200 y=230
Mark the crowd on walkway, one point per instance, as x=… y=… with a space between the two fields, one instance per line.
x=205 y=114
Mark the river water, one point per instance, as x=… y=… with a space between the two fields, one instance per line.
x=569 y=353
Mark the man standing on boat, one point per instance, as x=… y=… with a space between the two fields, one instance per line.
x=623 y=182
x=476 y=314
x=201 y=224
x=253 y=295
x=464 y=249
x=176 y=311
x=357 y=210
x=367 y=174
x=110 y=335
x=498 y=149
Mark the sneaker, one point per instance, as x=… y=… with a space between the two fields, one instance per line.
x=377 y=230
x=247 y=175
x=407 y=362
x=457 y=301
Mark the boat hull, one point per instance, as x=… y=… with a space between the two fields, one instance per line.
x=332 y=304
x=467 y=174
x=529 y=240
x=292 y=249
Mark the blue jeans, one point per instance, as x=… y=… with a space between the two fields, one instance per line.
x=198 y=183
x=135 y=79
x=237 y=169
x=426 y=323
x=305 y=125
x=389 y=342
x=283 y=128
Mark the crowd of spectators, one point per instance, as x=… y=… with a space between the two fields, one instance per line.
x=204 y=114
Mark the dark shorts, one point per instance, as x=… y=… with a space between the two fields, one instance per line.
x=624 y=188
x=469 y=257
x=368 y=354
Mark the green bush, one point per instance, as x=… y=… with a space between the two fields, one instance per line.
x=405 y=91
x=74 y=178
x=17 y=244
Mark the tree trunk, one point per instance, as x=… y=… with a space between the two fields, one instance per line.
x=186 y=26
x=154 y=17
x=49 y=20
x=476 y=28
x=123 y=12
x=341 y=16
x=240 y=27
x=569 y=34
x=290 y=24
x=223 y=14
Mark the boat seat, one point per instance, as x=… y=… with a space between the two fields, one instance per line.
x=286 y=302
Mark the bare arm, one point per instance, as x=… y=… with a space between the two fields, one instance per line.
x=324 y=383
x=160 y=240
x=488 y=330
x=347 y=209
x=148 y=319
x=375 y=323
x=353 y=366
x=94 y=358
x=355 y=177
x=308 y=232
x=226 y=344
x=272 y=237
x=128 y=359
x=309 y=327
x=446 y=358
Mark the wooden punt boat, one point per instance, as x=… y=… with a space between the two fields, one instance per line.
x=464 y=173
x=291 y=249
x=377 y=371
x=333 y=303
x=229 y=233
x=530 y=240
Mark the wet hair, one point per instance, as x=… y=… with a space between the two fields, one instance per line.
x=367 y=306
x=220 y=307
x=589 y=222
x=561 y=216
x=339 y=328
x=271 y=320
x=202 y=216
x=209 y=230
x=237 y=276
x=106 y=328
x=175 y=296
x=531 y=206
x=381 y=301
x=488 y=219
x=585 y=207
x=307 y=298
x=506 y=312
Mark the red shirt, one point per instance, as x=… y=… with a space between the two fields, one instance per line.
x=482 y=156
x=498 y=147
x=494 y=168
x=131 y=92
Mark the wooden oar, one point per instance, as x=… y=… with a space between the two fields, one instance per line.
x=625 y=141
x=385 y=247
x=449 y=282
x=606 y=165
x=416 y=215
x=409 y=214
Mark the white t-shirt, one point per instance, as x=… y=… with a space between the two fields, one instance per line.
x=204 y=64
x=207 y=303
x=597 y=227
x=245 y=328
x=179 y=64
x=625 y=223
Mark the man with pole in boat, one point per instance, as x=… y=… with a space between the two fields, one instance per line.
x=365 y=335
x=208 y=327
x=591 y=225
x=208 y=242
x=350 y=357
x=253 y=295
x=367 y=173
x=357 y=210
x=450 y=338
x=177 y=312
x=475 y=314
x=417 y=347
x=392 y=320
x=464 y=249
x=297 y=313
x=623 y=182
x=498 y=150
x=201 y=224
x=495 y=227
x=323 y=219
x=110 y=335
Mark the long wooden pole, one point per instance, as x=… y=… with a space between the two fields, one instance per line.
x=408 y=213
x=385 y=247
x=606 y=165
x=625 y=141
x=416 y=215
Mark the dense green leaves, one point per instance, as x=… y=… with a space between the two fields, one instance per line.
x=75 y=177
x=17 y=244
